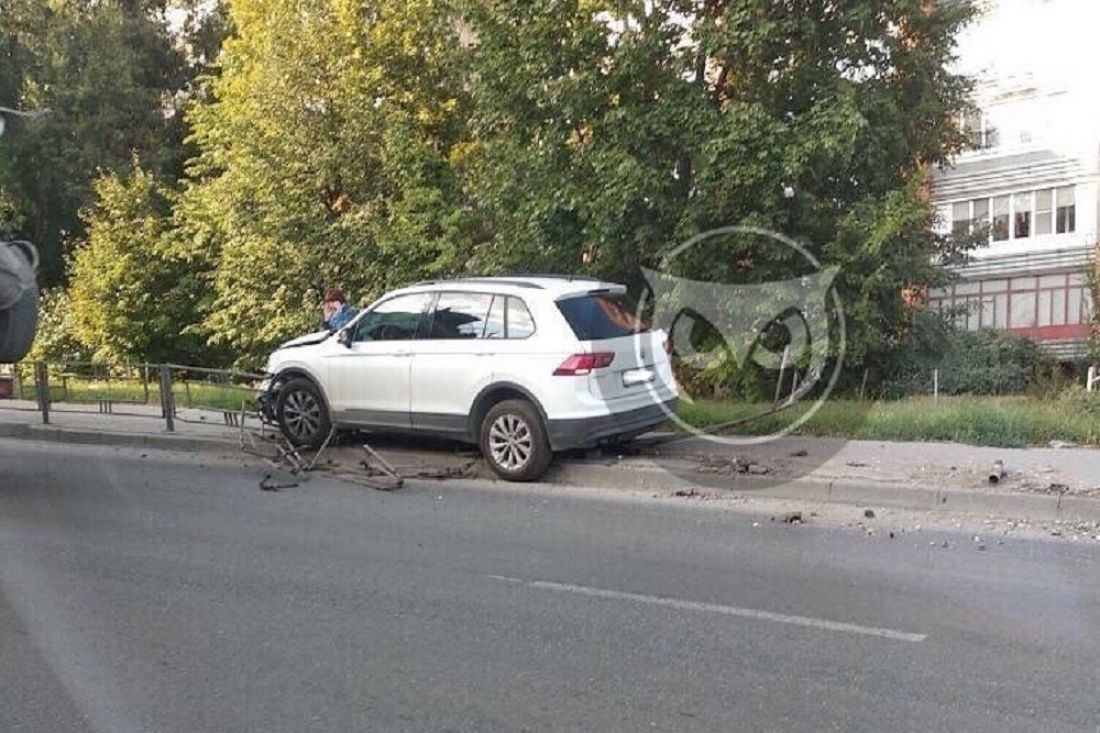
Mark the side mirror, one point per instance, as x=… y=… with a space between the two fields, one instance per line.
x=344 y=337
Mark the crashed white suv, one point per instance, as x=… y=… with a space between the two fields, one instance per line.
x=520 y=366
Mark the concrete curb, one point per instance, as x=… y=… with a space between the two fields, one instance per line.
x=157 y=441
x=641 y=475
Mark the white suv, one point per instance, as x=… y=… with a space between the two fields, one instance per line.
x=521 y=366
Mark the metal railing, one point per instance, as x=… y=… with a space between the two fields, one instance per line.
x=168 y=392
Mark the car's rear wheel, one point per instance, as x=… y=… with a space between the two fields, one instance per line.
x=303 y=415
x=513 y=441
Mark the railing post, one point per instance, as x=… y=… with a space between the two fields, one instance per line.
x=42 y=388
x=167 y=400
x=1093 y=378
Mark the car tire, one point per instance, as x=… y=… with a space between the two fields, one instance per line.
x=513 y=441
x=17 y=326
x=303 y=414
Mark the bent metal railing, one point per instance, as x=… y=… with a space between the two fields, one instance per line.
x=168 y=392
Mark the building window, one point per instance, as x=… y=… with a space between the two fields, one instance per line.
x=1018 y=303
x=1000 y=218
x=1067 y=210
x=979 y=130
x=1021 y=206
x=960 y=218
x=1043 y=212
x=1016 y=216
x=980 y=217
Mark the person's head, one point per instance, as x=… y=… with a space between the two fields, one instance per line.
x=334 y=296
x=332 y=301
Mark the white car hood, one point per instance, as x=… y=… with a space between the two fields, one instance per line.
x=310 y=338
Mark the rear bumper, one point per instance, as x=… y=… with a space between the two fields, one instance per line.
x=587 y=432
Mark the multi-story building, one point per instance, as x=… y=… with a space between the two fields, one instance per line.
x=1032 y=180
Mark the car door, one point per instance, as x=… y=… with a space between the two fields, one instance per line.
x=453 y=360
x=371 y=376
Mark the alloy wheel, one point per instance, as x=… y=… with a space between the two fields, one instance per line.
x=302 y=414
x=510 y=442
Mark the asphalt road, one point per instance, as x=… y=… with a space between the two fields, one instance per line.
x=157 y=593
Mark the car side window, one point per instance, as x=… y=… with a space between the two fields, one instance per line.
x=460 y=316
x=520 y=323
x=396 y=319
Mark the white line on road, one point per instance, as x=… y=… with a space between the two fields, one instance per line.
x=752 y=613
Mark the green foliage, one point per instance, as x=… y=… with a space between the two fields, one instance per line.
x=134 y=289
x=110 y=71
x=623 y=129
x=366 y=143
x=326 y=159
x=55 y=339
x=984 y=362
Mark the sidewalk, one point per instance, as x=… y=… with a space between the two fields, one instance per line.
x=1041 y=483
x=1069 y=470
x=131 y=425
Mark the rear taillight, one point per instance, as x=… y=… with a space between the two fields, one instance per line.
x=581 y=364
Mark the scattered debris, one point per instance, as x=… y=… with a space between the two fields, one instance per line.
x=891 y=535
x=982 y=548
x=1058 y=444
x=801 y=453
x=686 y=493
x=997 y=472
x=855 y=464
x=792 y=518
x=945 y=544
x=869 y=513
x=267 y=484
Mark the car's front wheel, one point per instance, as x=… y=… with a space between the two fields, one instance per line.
x=303 y=415
x=513 y=441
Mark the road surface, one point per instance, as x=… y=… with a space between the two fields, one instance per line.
x=152 y=592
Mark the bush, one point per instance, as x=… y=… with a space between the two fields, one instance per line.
x=985 y=362
x=55 y=340
x=1077 y=399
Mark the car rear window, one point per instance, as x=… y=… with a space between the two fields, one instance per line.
x=601 y=316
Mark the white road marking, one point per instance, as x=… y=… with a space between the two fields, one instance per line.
x=751 y=613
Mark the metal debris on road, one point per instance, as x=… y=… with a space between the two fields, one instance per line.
x=997 y=472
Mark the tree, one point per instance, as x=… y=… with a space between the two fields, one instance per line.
x=326 y=158
x=622 y=128
x=135 y=288
x=110 y=71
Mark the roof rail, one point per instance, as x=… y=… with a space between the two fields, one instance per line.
x=501 y=281
x=558 y=276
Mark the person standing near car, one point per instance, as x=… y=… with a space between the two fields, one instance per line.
x=336 y=310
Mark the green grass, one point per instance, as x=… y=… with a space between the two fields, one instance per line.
x=197 y=395
x=1005 y=422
